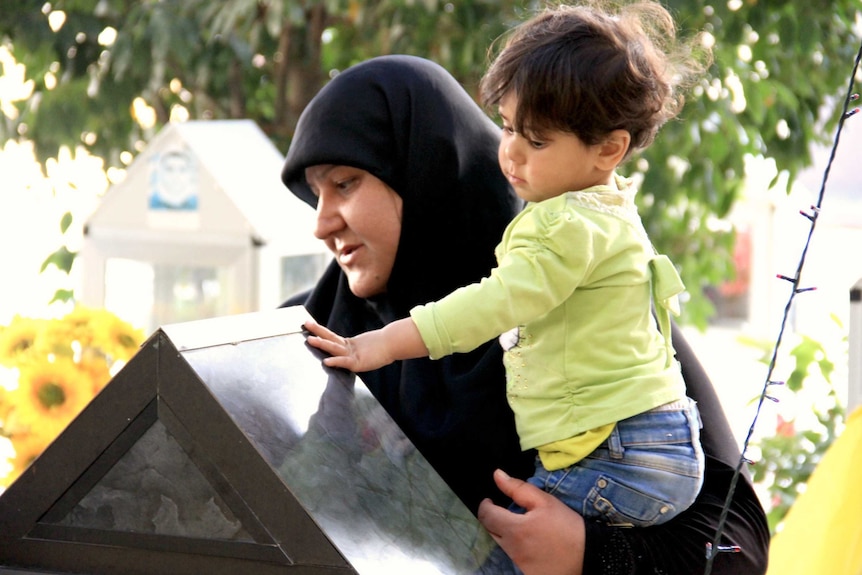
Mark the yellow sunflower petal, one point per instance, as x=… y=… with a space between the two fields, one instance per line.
x=54 y=390
x=118 y=339
x=17 y=340
x=27 y=448
x=97 y=371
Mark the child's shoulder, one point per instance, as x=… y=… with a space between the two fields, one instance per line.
x=553 y=216
x=551 y=205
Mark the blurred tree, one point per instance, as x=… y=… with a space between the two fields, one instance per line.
x=109 y=73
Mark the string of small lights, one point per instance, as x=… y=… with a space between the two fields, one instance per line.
x=715 y=547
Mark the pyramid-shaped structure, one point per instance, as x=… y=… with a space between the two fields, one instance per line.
x=224 y=447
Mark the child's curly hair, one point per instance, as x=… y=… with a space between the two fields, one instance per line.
x=594 y=68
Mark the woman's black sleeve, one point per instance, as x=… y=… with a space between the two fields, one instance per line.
x=679 y=546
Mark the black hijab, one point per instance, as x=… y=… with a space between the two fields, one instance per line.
x=410 y=123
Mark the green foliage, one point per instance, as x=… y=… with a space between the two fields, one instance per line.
x=790 y=455
x=65 y=222
x=774 y=69
x=63 y=295
x=62 y=259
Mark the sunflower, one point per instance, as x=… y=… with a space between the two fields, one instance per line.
x=56 y=339
x=18 y=340
x=117 y=339
x=9 y=420
x=97 y=369
x=51 y=369
x=102 y=331
x=10 y=416
x=78 y=324
x=50 y=395
x=27 y=446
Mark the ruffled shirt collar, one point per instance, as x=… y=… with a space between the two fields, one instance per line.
x=616 y=199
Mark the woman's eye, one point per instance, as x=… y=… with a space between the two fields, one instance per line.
x=346 y=184
x=537 y=144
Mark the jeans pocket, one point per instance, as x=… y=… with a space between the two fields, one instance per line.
x=621 y=505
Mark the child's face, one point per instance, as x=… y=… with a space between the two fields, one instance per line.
x=543 y=166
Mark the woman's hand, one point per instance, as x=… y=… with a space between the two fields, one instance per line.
x=546 y=540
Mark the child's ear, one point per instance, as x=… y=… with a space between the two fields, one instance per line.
x=613 y=149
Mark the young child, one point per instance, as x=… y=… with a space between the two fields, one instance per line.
x=591 y=373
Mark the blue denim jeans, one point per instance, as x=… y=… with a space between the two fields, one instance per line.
x=647 y=471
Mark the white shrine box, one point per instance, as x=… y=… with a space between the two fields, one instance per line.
x=201 y=227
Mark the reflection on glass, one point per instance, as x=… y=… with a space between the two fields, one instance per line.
x=299 y=273
x=372 y=493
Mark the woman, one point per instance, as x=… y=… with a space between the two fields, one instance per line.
x=401 y=165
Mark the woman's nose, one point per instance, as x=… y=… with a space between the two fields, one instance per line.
x=329 y=219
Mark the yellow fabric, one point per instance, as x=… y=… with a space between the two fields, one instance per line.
x=822 y=532
x=567 y=452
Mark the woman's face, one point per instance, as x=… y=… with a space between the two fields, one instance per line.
x=359 y=220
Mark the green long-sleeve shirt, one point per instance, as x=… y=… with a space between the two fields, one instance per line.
x=575 y=276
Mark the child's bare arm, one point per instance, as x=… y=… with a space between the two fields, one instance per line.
x=370 y=350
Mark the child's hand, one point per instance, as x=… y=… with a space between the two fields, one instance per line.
x=365 y=352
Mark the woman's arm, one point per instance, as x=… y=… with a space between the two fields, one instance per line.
x=552 y=539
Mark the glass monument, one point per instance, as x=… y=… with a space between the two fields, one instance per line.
x=225 y=446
